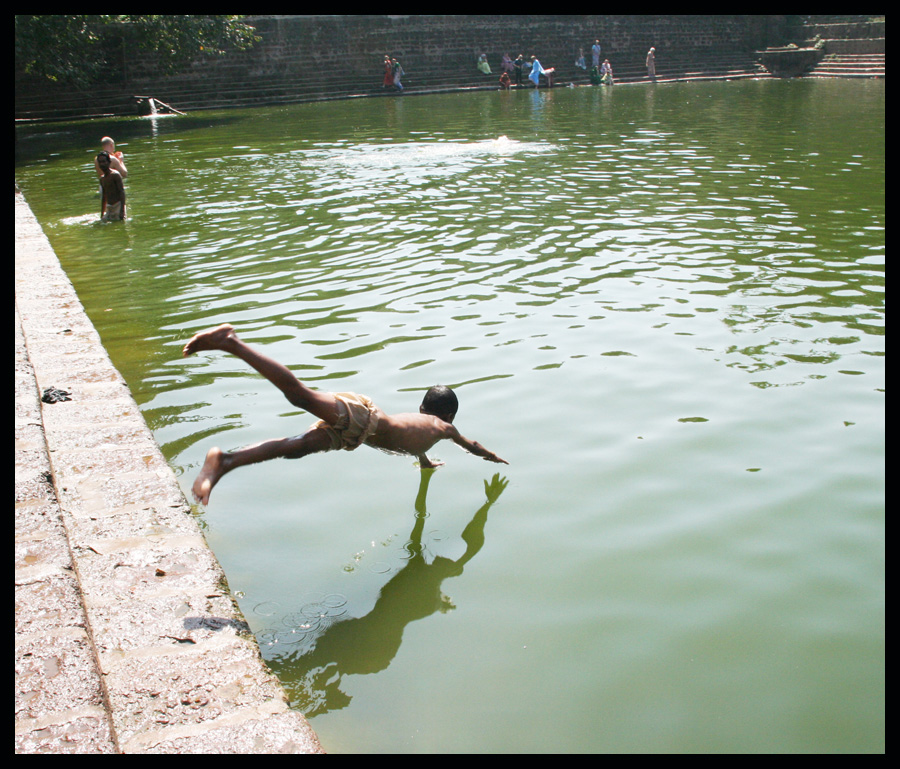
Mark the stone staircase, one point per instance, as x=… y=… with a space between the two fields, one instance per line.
x=853 y=45
x=341 y=57
x=849 y=65
x=714 y=66
x=231 y=88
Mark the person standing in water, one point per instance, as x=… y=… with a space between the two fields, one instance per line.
x=112 y=202
x=116 y=159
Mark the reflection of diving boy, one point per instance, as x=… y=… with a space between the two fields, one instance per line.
x=368 y=644
x=112 y=205
x=346 y=419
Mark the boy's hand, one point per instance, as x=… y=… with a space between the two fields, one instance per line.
x=426 y=464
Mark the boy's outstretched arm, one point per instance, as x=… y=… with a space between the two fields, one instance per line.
x=473 y=447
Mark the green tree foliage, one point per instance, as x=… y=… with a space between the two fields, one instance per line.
x=75 y=49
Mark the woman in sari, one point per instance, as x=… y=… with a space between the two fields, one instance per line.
x=537 y=70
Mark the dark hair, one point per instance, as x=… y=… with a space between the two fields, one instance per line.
x=101 y=154
x=440 y=401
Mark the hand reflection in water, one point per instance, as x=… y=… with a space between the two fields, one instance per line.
x=367 y=644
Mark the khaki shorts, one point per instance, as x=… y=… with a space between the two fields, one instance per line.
x=357 y=420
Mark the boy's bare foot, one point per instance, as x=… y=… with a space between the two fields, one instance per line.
x=211 y=339
x=213 y=469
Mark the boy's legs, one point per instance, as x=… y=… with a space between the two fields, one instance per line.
x=219 y=462
x=321 y=404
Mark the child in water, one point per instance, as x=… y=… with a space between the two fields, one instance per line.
x=116 y=159
x=346 y=420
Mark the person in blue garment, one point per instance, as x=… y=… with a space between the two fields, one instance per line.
x=537 y=70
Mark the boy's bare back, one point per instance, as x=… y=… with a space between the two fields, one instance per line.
x=417 y=433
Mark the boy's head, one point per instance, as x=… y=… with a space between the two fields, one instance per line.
x=103 y=159
x=441 y=402
x=108 y=144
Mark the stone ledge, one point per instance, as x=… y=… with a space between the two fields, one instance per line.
x=127 y=639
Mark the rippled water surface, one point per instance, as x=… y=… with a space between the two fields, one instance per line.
x=663 y=305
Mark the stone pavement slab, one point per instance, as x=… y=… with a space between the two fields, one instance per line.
x=127 y=637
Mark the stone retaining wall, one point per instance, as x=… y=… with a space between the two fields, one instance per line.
x=334 y=55
x=127 y=636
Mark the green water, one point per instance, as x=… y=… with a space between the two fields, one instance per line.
x=663 y=305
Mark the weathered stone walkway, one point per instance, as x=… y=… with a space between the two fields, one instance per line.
x=127 y=638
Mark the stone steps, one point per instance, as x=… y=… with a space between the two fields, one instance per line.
x=437 y=81
x=231 y=86
x=849 y=65
x=310 y=58
x=307 y=58
x=853 y=45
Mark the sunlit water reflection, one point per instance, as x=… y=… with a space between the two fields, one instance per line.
x=663 y=305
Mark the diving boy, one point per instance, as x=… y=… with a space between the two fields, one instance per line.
x=112 y=205
x=346 y=420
